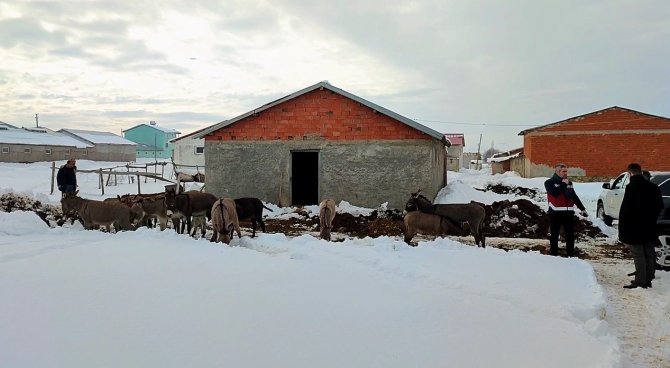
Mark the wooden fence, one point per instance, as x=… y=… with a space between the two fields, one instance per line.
x=113 y=172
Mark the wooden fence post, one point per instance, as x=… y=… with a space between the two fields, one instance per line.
x=53 y=173
x=138 y=184
x=102 y=181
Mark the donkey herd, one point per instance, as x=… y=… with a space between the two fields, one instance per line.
x=189 y=211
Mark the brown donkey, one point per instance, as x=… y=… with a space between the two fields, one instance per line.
x=327 y=210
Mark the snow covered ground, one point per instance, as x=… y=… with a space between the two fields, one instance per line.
x=76 y=298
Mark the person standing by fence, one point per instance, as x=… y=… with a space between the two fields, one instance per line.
x=67 y=177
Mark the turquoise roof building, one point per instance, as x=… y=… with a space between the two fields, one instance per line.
x=152 y=141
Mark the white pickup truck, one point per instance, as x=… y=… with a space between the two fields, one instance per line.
x=609 y=204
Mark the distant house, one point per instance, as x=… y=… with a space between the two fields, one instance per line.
x=512 y=160
x=467 y=159
x=107 y=146
x=39 y=144
x=324 y=142
x=455 y=151
x=598 y=144
x=152 y=141
x=188 y=150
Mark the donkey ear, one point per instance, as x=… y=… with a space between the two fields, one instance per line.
x=416 y=194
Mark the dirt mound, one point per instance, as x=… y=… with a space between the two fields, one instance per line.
x=519 y=191
x=52 y=215
x=524 y=219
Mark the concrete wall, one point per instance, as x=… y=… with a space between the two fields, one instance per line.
x=37 y=153
x=455 y=158
x=184 y=152
x=111 y=152
x=103 y=152
x=364 y=173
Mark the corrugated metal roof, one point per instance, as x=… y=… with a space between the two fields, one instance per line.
x=433 y=133
x=22 y=136
x=96 y=137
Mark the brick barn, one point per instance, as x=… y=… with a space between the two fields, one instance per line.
x=323 y=142
x=599 y=144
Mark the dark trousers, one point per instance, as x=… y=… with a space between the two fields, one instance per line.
x=68 y=188
x=644 y=256
x=566 y=220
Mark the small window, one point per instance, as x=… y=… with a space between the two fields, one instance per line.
x=67 y=152
x=5 y=149
x=199 y=150
x=26 y=150
x=47 y=151
x=166 y=145
x=84 y=152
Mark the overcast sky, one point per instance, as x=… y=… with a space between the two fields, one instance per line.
x=475 y=67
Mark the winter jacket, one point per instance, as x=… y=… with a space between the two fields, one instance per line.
x=641 y=205
x=66 y=176
x=561 y=196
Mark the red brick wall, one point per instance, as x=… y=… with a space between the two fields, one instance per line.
x=603 y=144
x=320 y=113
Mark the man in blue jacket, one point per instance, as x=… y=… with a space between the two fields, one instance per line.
x=642 y=202
x=562 y=200
x=67 y=177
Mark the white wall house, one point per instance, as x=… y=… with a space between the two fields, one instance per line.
x=189 y=151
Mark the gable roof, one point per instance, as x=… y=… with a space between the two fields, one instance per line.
x=456 y=139
x=324 y=85
x=7 y=125
x=189 y=135
x=96 y=137
x=164 y=130
x=523 y=132
x=45 y=138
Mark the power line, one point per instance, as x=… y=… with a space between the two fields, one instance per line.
x=489 y=124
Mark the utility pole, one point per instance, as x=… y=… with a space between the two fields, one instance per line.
x=37 y=123
x=479 y=155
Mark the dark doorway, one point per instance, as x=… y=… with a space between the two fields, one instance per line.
x=305 y=178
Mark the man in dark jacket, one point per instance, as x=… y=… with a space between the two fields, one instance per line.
x=67 y=177
x=642 y=202
x=562 y=200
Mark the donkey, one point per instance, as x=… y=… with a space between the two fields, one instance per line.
x=251 y=209
x=417 y=222
x=327 y=210
x=191 y=203
x=471 y=212
x=153 y=207
x=224 y=221
x=199 y=221
x=102 y=213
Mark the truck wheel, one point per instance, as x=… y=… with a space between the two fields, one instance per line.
x=601 y=215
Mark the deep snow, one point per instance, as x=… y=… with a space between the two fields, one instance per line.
x=76 y=298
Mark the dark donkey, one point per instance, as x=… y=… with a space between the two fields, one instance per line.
x=251 y=209
x=471 y=212
x=191 y=203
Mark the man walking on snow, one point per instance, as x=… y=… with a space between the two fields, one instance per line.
x=562 y=200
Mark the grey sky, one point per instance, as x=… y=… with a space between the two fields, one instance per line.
x=489 y=67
